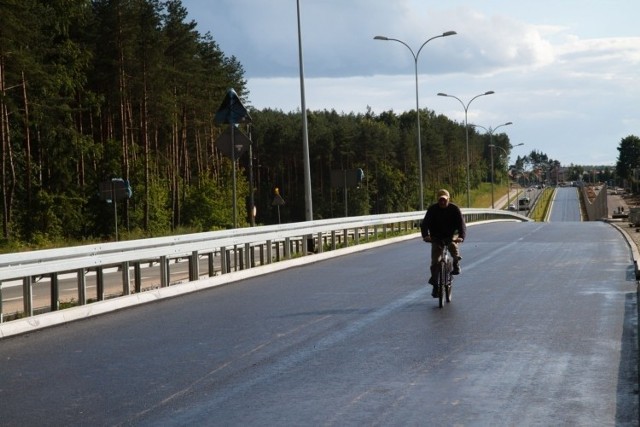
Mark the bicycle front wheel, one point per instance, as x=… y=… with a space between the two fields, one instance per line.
x=442 y=284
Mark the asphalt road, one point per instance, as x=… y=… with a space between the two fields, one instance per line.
x=542 y=330
x=566 y=205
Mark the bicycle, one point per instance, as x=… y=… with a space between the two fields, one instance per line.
x=444 y=278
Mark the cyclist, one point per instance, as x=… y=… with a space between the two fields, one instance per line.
x=442 y=221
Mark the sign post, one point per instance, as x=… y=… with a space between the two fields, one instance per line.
x=278 y=201
x=346 y=178
x=232 y=112
x=112 y=191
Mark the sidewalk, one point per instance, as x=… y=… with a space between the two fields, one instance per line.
x=616 y=204
x=501 y=202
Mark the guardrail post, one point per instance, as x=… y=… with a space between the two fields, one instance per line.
x=126 y=279
x=100 y=283
x=320 y=243
x=194 y=267
x=287 y=248
x=247 y=255
x=224 y=268
x=235 y=259
x=1 y=311
x=346 y=237
x=239 y=258
x=27 y=295
x=137 y=277
x=55 y=290
x=82 y=287
x=269 y=251
x=164 y=271
x=212 y=268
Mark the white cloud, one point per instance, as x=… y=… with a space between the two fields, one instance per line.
x=568 y=80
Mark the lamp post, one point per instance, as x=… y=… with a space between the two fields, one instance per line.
x=308 y=202
x=507 y=156
x=415 y=61
x=466 y=128
x=490 y=132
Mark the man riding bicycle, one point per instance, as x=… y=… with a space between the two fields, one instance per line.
x=442 y=222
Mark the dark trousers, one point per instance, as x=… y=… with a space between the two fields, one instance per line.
x=436 y=253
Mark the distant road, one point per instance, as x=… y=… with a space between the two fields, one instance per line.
x=542 y=330
x=566 y=205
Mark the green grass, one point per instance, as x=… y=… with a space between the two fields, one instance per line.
x=481 y=196
x=541 y=208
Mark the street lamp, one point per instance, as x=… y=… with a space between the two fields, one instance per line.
x=415 y=61
x=507 y=156
x=490 y=132
x=466 y=129
x=308 y=202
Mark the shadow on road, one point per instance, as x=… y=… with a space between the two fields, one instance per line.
x=627 y=399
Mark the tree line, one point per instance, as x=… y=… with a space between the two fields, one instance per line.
x=102 y=89
x=92 y=90
x=628 y=165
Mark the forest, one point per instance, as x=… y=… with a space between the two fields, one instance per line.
x=93 y=91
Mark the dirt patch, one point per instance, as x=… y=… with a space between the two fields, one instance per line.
x=632 y=200
x=592 y=192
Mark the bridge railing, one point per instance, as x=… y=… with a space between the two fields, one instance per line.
x=220 y=252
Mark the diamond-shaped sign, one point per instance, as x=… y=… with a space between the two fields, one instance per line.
x=240 y=142
x=231 y=110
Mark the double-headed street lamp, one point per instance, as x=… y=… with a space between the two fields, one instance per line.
x=466 y=128
x=490 y=132
x=415 y=60
x=492 y=146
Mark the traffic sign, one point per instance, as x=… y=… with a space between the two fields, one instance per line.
x=239 y=141
x=277 y=200
x=351 y=178
x=117 y=189
x=231 y=110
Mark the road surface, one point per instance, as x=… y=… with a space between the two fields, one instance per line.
x=566 y=205
x=542 y=330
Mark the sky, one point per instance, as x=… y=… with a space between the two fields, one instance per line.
x=566 y=73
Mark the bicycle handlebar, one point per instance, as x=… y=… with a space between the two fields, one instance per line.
x=441 y=241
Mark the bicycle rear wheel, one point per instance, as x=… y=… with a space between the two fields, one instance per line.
x=442 y=284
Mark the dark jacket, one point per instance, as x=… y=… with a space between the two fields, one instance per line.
x=440 y=223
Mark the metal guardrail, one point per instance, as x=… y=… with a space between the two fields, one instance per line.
x=225 y=251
